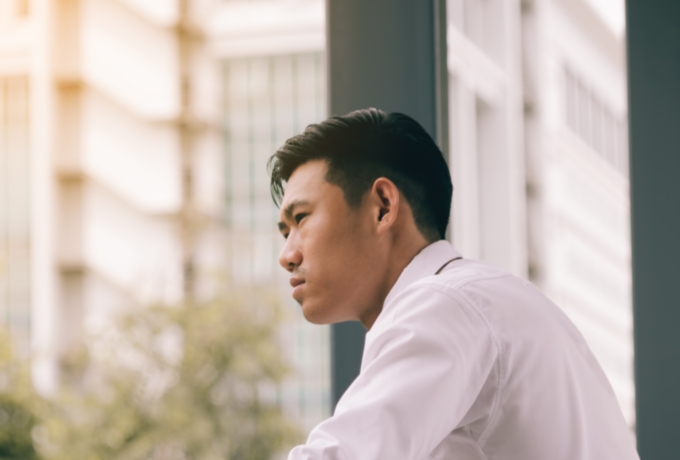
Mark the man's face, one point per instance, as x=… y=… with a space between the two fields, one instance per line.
x=328 y=248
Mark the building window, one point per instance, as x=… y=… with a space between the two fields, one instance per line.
x=482 y=22
x=595 y=123
x=14 y=207
x=266 y=101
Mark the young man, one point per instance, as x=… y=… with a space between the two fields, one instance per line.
x=462 y=360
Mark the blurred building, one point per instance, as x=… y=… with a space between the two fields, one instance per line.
x=15 y=172
x=109 y=122
x=539 y=159
x=133 y=147
x=273 y=86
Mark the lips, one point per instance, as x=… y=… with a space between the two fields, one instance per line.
x=298 y=285
x=295 y=282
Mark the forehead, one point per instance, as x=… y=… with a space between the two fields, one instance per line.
x=308 y=179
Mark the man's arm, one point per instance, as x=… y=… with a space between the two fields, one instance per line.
x=427 y=359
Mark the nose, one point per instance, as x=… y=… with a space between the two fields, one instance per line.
x=290 y=256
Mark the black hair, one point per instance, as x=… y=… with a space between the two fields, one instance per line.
x=367 y=144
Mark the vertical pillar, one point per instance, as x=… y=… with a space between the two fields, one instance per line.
x=387 y=54
x=44 y=275
x=654 y=90
x=186 y=125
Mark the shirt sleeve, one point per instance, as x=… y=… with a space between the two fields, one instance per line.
x=425 y=363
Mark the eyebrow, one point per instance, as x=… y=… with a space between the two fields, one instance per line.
x=288 y=212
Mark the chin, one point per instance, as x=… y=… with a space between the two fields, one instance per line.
x=314 y=317
x=322 y=313
x=315 y=313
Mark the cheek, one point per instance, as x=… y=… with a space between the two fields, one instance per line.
x=339 y=263
x=339 y=248
x=324 y=238
x=338 y=274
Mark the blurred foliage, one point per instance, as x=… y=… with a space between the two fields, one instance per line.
x=191 y=382
x=17 y=405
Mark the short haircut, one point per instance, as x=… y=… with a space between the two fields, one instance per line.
x=365 y=145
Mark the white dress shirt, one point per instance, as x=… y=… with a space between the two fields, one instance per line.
x=472 y=364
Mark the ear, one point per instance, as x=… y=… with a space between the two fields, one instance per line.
x=385 y=201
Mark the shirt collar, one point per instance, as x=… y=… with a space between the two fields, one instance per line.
x=425 y=263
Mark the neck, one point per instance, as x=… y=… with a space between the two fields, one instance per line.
x=401 y=254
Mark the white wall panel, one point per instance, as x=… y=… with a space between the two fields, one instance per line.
x=138 y=253
x=135 y=158
x=131 y=60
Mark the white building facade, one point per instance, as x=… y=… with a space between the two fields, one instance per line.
x=122 y=121
x=539 y=159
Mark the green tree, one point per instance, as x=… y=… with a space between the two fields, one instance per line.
x=194 y=382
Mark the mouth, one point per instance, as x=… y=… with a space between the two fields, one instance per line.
x=298 y=284
x=295 y=282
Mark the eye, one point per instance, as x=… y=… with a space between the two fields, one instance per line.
x=299 y=217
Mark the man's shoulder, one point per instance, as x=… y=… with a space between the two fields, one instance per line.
x=489 y=289
x=439 y=303
x=452 y=285
x=462 y=273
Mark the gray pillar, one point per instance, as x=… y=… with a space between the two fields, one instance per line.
x=388 y=54
x=653 y=30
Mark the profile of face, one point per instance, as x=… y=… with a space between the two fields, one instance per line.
x=333 y=252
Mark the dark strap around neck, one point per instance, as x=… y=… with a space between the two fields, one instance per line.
x=444 y=266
